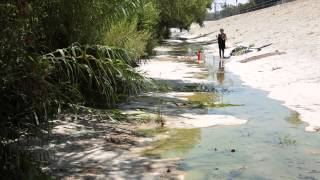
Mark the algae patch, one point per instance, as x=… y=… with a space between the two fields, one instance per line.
x=287 y=140
x=208 y=100
x=294 y=119
x=216 y=105
x=178 y=143
x=203 y=97
x=198 y=75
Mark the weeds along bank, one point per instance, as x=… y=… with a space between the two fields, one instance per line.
x=54 y=54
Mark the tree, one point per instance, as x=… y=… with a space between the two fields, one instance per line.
x=263 y=3
x=181 y=13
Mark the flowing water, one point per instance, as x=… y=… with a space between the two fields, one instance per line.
x=272 y=145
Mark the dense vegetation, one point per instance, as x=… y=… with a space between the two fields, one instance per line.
x=54 y=53
x=181 y=13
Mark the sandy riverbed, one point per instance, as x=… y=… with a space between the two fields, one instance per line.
x=293 y=77
x=84 y=150
x=89 y=146
x=162 y=69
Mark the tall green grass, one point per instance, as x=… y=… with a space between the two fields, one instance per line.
x=41 y=69
x=99 y=73
x=57 y=52
x=125 y=34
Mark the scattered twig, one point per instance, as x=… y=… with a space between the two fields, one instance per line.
x=253 y=58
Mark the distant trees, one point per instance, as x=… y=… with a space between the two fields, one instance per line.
x=181 y=13
x=229 y=10
x=252 y=5
x=259 y=4
x=265 y=2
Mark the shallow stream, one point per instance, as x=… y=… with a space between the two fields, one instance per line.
x=272 y=145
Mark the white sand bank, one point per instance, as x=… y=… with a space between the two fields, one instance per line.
x=294 y=77
x=189 y=120
x=171 y=70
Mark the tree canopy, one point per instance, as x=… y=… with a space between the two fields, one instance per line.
x=182 y=13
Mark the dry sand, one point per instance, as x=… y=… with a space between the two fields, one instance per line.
x=191 y=120
x=293 y=77
x=171 y=70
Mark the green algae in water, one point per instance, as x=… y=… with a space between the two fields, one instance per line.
x=215 y=105
x=287 y=140
x=203 y=97
x=179 y=142
x=198 y=75
x=208 y=100
x=294 y=119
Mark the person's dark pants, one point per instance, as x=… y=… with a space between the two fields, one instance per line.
x=221 y=52
x=222 y=46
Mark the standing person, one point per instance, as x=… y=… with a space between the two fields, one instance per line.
x=222 y=38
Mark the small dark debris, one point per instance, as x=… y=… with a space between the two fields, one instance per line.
x=276 y=68
x=233 y=150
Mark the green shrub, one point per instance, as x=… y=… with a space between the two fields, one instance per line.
x=124 y=34
x=49 y=57
x=99 y=73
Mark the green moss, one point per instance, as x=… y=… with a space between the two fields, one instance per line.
x=287 y=140
x=207 y=100
x=214 y=105
x=179 y=142
x=294 y=119
x=199 y=75
x=203 y=97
